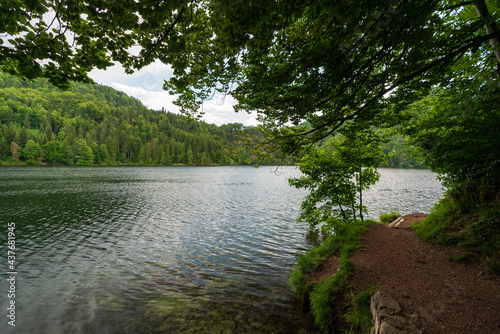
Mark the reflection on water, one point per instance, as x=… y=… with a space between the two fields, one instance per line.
x=165 y=250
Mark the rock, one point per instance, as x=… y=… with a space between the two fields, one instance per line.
x=388 y=318
x=382 y=302
x=396 y=222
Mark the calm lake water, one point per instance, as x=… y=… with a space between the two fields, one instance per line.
x=164 y=249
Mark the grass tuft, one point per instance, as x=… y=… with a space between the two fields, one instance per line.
x=359 y=315
x=476 y=231
x=347 y=240
x=325 y=296
x=388 y=218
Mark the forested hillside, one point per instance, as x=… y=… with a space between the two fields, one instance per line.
x=398 y=152
x=92 y=124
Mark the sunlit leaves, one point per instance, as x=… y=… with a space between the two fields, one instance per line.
x=335 y=175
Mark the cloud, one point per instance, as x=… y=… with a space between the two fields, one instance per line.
x=146 y=85
x=150 y=77
x=151 y=99
x=220 y=110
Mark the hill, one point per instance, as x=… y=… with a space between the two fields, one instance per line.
x=93 y=124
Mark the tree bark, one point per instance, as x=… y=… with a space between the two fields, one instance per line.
x=338 y=201
x=482 y=11
x=360 y=195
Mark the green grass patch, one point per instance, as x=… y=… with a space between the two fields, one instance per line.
x=440 y=218
x=474 y=228
x=388 y=218
x=329 y=299
x=348 y=240
x=359 y=316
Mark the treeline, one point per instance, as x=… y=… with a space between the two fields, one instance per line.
x=398 y=152
x=98 y=125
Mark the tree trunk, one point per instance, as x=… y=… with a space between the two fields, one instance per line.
x=360 y=195
x=338 y=201
x=482 y=11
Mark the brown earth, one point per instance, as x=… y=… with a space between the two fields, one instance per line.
x=446 y=296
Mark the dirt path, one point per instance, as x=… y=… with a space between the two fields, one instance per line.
x=447 y=297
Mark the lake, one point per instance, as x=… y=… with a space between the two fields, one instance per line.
x=165 y=249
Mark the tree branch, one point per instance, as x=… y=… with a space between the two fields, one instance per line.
x=163 y=36
x=483 y=12
x=462 y=4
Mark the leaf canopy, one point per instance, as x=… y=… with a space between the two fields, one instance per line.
x=326 y=62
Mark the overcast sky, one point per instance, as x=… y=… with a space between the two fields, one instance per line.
x=146 y=85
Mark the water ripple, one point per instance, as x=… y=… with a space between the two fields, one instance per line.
x=121 y=250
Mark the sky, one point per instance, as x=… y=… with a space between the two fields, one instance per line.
x=146 y=85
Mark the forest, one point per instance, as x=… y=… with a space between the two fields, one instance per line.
x=98 y=125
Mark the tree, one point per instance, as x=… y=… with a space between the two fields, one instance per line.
x=457 y=133
x=84 y=156
x=189 y=156
x=329 y=63
x=32 y=152
x=4 y=148
x=154 y=147
x=64 y=118
x=14 y=148
x=335 y=178
x=104 y=153
x=331 y=39
x=325 y=62
x=163 y=158
x=53 y=152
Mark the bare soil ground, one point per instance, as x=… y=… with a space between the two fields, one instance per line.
x=446 y=296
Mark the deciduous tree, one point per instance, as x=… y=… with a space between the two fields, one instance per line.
x=336 y=175
x=32 y=152
x=84 y=156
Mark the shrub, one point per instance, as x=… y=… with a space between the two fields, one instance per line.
x=388 y=218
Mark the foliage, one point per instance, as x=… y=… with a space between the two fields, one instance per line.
x=90 y=124
x=359 y=315
x=32 y=152
x=388 y=218
x=457 y=132
x=71 y=38
x=398 y=152
x=471 y=222
x=15 y=151
x=335 y=178
x=327 y=62
x=84 y=155
x=330 y=63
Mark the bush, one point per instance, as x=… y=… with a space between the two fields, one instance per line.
x=388 y=218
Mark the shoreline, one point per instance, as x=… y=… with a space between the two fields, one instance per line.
x=435 y=294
